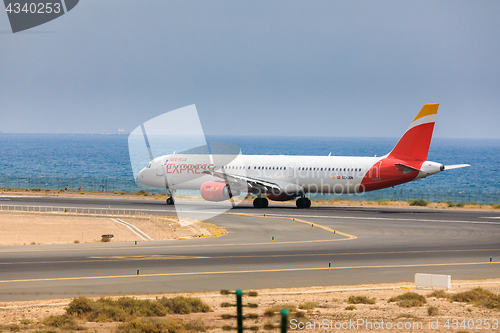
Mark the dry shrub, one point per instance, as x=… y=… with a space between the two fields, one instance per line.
x=276 y=310
x=433 y=310
x=105 y=239
x=14 y=328
x=64 y=321
x=308 y=306
x=161 y=326
x=479 y=297
x=184 y=305
x=360 y=300
x=351 y=307
x=124 y=309
x=408 y=300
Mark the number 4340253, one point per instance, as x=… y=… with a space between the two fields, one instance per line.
x=472 y=324
x=34 y=8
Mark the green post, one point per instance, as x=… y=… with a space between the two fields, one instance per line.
x=239 y=310
x=284 y=320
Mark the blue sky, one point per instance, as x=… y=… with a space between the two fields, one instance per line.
x=300 y=68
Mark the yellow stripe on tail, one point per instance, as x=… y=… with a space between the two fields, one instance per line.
x=427 y=110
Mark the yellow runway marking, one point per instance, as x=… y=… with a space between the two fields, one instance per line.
x=245 y=271
x=349 y=237
x=186 y=257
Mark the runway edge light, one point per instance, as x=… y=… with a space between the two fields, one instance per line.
x=491 y=260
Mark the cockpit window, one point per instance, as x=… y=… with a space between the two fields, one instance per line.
x=149 y=165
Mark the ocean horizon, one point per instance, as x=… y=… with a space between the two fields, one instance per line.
x=106 y=156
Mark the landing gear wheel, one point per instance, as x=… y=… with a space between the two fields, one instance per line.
x=170 y=201
x=308 y=203
x=303 y=203
x=265 y=203
x=260 y=203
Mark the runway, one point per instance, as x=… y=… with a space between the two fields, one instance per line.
x=363 y=245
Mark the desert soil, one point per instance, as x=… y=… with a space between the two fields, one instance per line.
x=58 y=228
x=329 y=303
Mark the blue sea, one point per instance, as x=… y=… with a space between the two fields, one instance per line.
x=102 y=161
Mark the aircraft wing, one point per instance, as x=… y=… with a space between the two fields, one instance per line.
x=265 y=186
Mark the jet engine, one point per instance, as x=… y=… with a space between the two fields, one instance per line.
x=216 y=191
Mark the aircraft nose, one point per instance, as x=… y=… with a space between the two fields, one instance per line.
x=140 y=176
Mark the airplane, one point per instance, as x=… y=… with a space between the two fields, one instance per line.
x=283 y=178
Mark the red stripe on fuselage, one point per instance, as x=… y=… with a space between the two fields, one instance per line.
x=388 y=174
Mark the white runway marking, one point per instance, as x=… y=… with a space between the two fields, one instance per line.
x=134 y=229
x=258 y=212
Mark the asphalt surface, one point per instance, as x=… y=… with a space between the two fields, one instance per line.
x=363 y=245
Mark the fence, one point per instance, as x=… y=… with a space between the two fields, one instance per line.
x=81 y=183
x=73 y=210
x=431 y=195
x=110 y=184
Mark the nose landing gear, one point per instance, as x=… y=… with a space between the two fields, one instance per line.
x=170 y=201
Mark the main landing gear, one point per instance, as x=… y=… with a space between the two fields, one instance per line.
x=303 y=202
x=260 y=203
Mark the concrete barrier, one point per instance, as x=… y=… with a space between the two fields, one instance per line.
x=432 y=280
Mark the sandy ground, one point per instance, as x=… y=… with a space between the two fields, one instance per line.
x=58 y=228
x=329 y=306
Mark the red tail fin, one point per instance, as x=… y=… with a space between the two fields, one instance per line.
x=414 y=145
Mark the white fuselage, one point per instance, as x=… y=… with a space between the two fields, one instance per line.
x=314 y=174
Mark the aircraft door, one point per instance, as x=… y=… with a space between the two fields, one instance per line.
x=160 y=170
x=291 y=170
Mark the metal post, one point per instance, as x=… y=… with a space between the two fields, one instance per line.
x=239 y=311
x=284 y=320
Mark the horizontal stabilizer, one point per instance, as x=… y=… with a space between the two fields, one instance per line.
x=406 y=166
x=456 y=166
